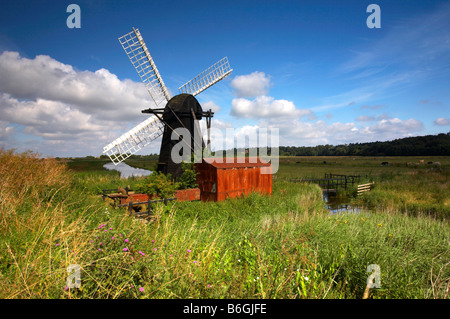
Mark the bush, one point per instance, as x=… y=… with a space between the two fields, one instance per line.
x=158 y=184
x=189 y=177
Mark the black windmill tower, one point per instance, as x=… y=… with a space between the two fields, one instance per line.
x=180 y=111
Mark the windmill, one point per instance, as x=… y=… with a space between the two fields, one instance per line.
x=182 y=110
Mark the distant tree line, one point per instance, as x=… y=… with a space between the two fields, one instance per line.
x=429 y=145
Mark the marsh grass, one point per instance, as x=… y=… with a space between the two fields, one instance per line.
x=281 y=246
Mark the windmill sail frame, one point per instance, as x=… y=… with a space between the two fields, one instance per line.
x=218 y=71
x=134 y=46
x=134 y=140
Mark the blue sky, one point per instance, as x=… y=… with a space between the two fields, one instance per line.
x=312 y=69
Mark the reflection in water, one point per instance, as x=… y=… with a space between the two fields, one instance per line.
x=126 y=170
x=339 y=204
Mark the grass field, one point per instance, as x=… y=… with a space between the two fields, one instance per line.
x=286 y=245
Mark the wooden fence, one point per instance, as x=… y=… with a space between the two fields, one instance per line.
x=365 y=188
x=332 y=181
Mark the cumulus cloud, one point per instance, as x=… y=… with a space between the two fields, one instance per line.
x=251 y=85
x=51 y=103
x=294 y=131
x=264 y=107
x=98 y=93
x=47 y=118
x=394 y=126
x=211 y=105
x=442 y=121
x=253 y=101
x=5 y=130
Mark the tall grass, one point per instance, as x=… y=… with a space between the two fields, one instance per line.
x=42 y=224
x=413 y=192
x=281 y=246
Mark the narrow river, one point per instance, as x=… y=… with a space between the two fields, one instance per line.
x=339 y=204
x=126 y=170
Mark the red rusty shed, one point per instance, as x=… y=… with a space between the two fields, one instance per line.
x=219 y=179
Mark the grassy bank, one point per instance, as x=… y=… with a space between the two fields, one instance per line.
x=281 y=246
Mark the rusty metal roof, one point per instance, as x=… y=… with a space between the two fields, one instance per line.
x=236 y=162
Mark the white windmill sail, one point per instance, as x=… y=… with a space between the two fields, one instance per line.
x=134 y=140
x=136 y=50
x=210 y=76
x=150 y=129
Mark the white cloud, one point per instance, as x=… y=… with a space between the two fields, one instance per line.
x=442 y=121
x=296 y=132
x=395 y=126
x=47 y=118
x=265 y=107
x=211 y=105
x=99 y=93
x=251 y=85
x=59 y=110
x=5 y=130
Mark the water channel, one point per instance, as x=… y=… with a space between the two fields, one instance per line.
x=126 y=170
x=338 y=204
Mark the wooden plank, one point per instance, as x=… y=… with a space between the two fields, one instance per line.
x=369 y=184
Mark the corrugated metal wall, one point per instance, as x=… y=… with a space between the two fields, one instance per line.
x=218 y=181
